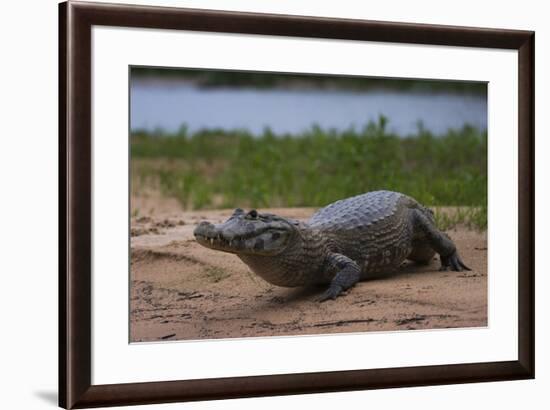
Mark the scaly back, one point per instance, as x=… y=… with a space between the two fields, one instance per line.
x=357 y=212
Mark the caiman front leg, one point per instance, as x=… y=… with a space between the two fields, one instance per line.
x=440 y=242
x=347 y=275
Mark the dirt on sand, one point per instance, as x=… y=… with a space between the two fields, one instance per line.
x=183 y=291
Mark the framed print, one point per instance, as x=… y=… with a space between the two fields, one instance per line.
x=256 y=204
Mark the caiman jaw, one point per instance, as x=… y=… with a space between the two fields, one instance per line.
x=253 y=233
x=208 y=235
x=213 y=237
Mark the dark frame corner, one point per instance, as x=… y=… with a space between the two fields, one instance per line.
x=75 y=23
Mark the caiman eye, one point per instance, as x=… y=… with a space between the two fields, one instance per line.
x=253 y=214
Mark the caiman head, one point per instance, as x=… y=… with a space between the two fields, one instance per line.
x=250 y=233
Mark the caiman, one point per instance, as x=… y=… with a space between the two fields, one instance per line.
x=343 y=243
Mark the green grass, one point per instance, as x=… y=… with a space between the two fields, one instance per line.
x=221 y=169
x=471 y=217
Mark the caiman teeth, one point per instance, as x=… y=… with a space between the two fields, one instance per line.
x=219 y=240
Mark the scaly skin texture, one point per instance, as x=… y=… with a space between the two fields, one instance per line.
x=341 y=244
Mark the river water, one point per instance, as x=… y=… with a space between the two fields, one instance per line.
x=168 y=104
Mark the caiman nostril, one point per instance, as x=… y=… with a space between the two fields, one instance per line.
x=203 y=228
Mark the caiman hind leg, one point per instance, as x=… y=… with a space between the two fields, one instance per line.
x=440 y=242
x=347 y=274
x=422 y=252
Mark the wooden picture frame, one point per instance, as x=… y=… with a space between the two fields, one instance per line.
x=75 y=195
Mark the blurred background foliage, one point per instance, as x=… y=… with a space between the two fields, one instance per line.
x=225 y=169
